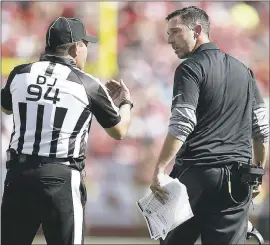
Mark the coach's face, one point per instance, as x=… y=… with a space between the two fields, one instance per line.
x=81 y=54
x=182 y=38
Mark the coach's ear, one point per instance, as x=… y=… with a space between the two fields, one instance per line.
x=7 y=112
x=197 y=30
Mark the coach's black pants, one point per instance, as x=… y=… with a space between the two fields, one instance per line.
x=53 y=195
x=216 y=217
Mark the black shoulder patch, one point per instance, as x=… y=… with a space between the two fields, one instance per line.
x=25 y=68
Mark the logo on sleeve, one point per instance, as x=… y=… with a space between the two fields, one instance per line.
x=176 y=96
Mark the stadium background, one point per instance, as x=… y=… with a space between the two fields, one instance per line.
x=133 y=47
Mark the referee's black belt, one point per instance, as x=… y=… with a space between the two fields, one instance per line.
x=24 y=158
x=25 y=161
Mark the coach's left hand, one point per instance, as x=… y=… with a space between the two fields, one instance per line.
x=160 y=193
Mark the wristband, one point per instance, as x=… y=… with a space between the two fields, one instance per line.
x=126 y=102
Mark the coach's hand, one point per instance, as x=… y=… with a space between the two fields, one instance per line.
x=118 y=91
x=160 y=193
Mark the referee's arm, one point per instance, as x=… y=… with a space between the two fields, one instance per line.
x=7 y=112
x=6 y=98
x=119 y=131
x=115 y=121
x=260 y=126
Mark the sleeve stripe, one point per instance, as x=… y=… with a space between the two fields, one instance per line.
x=178 y=105
x=182 y=122
x=105 y=90
x=109 y=97
x=260 y=125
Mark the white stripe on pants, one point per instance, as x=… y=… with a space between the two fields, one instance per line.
x=77 y=206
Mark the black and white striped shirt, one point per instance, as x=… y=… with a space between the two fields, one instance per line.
x=53 y=103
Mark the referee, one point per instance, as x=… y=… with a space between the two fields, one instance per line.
x=216 y=111
x=53 y=102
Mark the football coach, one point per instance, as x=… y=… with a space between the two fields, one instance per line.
x=217 y=116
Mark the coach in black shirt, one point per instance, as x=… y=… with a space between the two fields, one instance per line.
x=53 y=102
x=216 y=111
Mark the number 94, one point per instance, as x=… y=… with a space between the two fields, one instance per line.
x=35 y=91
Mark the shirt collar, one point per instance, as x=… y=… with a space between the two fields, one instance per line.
x=206 y=46
x=58 y=59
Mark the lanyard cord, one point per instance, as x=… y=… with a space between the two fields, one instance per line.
x=228 y=175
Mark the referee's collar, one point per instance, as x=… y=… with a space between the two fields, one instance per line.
x=206 y=46
x=58 y=59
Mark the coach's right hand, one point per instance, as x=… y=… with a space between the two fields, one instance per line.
x=118 y=91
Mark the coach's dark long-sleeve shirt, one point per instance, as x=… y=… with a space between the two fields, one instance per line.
x=216 y=108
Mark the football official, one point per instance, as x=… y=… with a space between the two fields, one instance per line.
x=217 y=110
x=53 y=102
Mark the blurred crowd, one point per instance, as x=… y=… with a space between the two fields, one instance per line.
x=118 y=173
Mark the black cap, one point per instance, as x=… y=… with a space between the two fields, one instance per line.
x=67 y=30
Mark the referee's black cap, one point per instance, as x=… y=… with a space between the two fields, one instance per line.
x=67 y=30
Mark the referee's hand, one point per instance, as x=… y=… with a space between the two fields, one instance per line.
x=118 y=91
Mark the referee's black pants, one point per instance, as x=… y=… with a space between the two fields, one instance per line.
x=217 y=219
x=53 y=195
